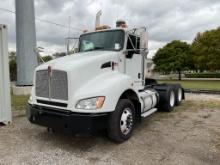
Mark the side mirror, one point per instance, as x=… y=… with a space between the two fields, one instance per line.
x=129 y=53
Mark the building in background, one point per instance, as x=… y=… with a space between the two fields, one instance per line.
x=149 y=70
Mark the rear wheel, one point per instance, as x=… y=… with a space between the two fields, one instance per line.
x=179 y=95
x=167 y=97
x=170 y=103
x=121 y=121
x=172 y=98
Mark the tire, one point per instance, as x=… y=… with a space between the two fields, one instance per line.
x=167 y=97
x=121 y=121
x=178 y=94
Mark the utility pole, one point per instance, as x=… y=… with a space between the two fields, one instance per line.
x=68 y=41
x=26 y=42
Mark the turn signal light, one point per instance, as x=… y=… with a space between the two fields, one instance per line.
x=102 y=27
x=99 y=102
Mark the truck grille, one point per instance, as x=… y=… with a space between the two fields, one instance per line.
x=54 y=87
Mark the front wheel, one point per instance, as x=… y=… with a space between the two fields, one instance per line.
x=121 y=121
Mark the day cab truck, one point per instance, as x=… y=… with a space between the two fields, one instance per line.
x=101 y=87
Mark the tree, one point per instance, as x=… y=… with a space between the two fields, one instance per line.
x=12 y=66
x=59 y=54
x=206 y=50
x=47 y=58
x=174 y=56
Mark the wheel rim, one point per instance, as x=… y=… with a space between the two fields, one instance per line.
x=179 y=94
x=126 y=121
x=172 y=98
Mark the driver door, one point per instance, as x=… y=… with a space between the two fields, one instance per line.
x=134 y=61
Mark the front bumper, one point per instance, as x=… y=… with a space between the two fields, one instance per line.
x=66 y=121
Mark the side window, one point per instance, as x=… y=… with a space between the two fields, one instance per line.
x=138 y=45
x=132 y=44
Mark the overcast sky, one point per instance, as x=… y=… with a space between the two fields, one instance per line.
x=166 y=20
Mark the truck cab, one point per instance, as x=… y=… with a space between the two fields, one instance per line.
x=102 y=86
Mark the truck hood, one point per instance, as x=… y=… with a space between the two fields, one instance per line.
x=81 y=69
x=74 y=61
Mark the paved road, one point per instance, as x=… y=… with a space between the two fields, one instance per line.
x=188 y=135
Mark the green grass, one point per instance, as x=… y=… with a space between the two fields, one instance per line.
x=196 y=84
x=19 y=102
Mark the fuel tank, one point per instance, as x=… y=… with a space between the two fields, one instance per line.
x=149 y=99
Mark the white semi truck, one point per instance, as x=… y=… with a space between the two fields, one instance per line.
x=102 y=87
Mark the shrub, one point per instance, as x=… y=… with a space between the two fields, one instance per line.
x=202 y=75
x=13 y=70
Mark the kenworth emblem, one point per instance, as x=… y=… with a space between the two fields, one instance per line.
x=49 y=69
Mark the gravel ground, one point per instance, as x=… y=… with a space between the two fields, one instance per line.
x=188 y=135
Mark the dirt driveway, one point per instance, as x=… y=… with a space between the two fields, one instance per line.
x=188 y=135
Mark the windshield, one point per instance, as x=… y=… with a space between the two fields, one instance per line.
x=104 y=40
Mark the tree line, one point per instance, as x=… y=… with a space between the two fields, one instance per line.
x=202 y=55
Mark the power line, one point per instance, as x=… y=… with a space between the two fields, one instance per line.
x=46 y=21
x=57 y=24
x=7 y=10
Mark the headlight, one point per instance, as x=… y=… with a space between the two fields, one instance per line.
x=91 y=103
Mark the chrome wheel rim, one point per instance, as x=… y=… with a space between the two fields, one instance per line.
x=179 y=94
x=126 y=121
x=172 y=98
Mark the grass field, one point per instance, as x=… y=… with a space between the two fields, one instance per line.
x=18 y=102
x=196 y=84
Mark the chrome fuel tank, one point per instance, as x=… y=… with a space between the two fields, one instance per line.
x=149 y=99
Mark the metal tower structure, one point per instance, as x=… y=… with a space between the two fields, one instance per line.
x=26 y=42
